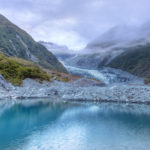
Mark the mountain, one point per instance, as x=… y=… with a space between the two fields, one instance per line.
x=15 y=70
x=16 y=42
x=131 y=46
x=121 y=37
x=60 y=51
x=135 y=61
x=110 y=45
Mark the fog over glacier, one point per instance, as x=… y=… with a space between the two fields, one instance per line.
x=75 y=23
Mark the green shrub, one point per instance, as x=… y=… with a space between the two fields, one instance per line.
x=15 y=72
x=65 y=79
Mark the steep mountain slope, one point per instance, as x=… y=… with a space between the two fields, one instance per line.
x=111 y=44
x=136 y=61
x=16 y=42
x=15 y=70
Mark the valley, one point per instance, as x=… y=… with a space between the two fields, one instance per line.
x=71 y=79
x=74 y=75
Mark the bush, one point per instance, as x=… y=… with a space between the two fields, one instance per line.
x=15 y=72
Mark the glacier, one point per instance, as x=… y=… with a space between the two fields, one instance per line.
x=105 y=74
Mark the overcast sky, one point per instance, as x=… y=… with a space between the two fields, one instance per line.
x=73 y=22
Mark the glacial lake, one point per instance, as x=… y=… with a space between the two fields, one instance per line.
x=41 y=124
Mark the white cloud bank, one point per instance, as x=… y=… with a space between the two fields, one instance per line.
x=73 y=22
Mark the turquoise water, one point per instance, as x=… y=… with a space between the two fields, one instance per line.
x=46 y=125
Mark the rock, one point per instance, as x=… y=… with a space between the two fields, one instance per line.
x=85 y=90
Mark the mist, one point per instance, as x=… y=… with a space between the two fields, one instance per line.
x=74 y=23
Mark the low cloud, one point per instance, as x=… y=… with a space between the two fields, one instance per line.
x=73 y=22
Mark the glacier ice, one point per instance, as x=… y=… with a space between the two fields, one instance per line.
x=106 y=75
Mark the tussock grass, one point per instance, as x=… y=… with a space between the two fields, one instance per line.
x=15 y=70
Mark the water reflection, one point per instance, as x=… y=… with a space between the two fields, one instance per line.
x=46 y=125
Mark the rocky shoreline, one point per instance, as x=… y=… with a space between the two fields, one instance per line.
x=79 y=90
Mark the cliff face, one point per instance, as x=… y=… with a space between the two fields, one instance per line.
x=16 y=42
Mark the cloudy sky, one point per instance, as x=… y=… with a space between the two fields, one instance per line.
x=73 y=22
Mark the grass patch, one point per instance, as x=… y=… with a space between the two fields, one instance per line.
x=15 y=70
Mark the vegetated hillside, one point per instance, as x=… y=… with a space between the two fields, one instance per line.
x=16 y=42
x=101 y=51
x=136 y=61
x=121 y=36
x=15 y=70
